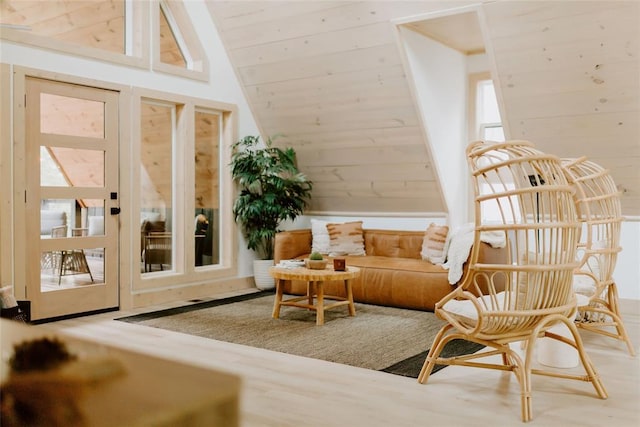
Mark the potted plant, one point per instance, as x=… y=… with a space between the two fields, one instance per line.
x=316 y=261
x=272 y=190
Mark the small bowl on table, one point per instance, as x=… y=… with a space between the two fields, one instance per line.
x=315 y=264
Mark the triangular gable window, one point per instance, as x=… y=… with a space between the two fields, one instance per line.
x=172 y=47
x=176 y=46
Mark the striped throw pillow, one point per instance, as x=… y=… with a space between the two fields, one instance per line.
x=346 y=239
x=433 y=245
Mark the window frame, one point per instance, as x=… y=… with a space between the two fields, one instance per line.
x=476 y=126
x=142 y=44
x=175 y=112
x=186 y=38
x=220 y=164
x=137 y=41
x=477 y=132
x=485 y=126
x=184 y=200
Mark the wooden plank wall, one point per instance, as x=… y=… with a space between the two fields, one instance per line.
x=329 y=76
x=569 y=73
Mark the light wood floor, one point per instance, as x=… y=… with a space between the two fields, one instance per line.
x=283 y=390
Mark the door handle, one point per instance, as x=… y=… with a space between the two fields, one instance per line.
x=115 y=211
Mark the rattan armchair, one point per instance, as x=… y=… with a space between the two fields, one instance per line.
x=520 y=300
x=157 y=250
x=598 y=202
x=71 y=261
x=52 y=259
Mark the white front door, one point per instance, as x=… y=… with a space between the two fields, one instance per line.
x=71 y=199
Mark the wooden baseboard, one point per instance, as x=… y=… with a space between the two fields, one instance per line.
x=205 y=290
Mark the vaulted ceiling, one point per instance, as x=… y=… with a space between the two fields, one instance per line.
x=329 y=77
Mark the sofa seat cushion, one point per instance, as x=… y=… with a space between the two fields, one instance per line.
x=396 y=282
x=390 y=263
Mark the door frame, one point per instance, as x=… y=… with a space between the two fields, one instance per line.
x=6 y=217
x=19 y=187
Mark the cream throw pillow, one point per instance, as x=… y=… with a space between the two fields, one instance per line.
x=433 y=245
x=7 y=300
x=320 y=241
x=466 y=308
x=346 y=239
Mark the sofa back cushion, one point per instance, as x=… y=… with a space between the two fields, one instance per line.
x=393 y=243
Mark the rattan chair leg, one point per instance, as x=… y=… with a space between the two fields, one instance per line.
x=613 y=311
x=435 y=350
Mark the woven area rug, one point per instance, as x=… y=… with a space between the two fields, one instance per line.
x=386 y=339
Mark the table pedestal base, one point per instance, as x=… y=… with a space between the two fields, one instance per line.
x=307 y=301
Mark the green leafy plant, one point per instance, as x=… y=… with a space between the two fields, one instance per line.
x=272 y=190
x=316 y=256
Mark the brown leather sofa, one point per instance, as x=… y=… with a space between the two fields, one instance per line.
x=392 y=272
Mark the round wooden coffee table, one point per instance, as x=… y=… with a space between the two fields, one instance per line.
x=315 y=280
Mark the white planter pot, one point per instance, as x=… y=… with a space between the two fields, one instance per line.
x=555 y=353
x=261 y=275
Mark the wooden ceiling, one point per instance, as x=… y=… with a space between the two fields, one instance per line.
x=460 y=31
x=330 y=78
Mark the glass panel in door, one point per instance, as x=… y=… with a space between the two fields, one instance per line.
x=71 y=220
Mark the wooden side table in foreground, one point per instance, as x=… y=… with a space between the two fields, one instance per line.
x=315 y=280
x=124 y=388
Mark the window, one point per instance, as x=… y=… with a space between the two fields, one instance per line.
x=176 y=46
x=183 y=193
x=207 y=187
x=487 y=126
x=489 y=123
x=97 y=24
x=110 y=30
x=156 y=185
x=172 y=47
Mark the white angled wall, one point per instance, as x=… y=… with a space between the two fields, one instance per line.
x=439 y=75
x=627 y=273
